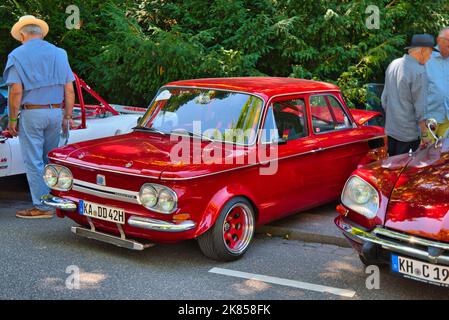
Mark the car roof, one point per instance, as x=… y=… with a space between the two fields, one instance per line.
x=268 y=86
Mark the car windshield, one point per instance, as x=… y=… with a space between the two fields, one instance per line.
x=213 y=114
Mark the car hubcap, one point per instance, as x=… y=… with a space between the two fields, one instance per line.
x=238 y=228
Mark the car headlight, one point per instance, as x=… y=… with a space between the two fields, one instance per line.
x=361 y=197
x=65 y=179
x=148 y=196
x=50 y=176
x=158 y=198
x=58 y=177
x=166 y=200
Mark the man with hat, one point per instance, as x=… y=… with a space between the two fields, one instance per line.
x=40 y=88
x=438 y=92
x=405 y=96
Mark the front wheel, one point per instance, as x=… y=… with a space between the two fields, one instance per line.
x=230 y=236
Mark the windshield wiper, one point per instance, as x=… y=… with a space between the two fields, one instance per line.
x=151 y=129
x=192 y=134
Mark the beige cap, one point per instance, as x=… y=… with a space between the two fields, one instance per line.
x=26 y=20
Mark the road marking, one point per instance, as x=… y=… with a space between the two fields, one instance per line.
x=284 y=282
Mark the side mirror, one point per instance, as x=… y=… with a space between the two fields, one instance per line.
x=282 y=141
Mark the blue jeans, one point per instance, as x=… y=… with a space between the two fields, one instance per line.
x=39 y=132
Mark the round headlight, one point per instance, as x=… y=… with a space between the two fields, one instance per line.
x=167 y=201
x=360 y=193
x=65 y=179
x=361 y=197
x=50 y=176
x=148 y=196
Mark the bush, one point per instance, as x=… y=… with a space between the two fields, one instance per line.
x=128 y=49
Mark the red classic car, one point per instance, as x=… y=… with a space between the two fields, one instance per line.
x=396 y=212
x=267 y=148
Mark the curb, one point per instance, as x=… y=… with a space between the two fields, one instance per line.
x=301 y=235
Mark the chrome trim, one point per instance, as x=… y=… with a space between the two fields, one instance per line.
x=359 y=234
x=58 y=169
x=411 y=239
x=106 y=192
x=159 y=188
x=58 y=203
x=159 y=225
x=101 y=169
x=104 y=237
x=305 y=92
x=223 y=171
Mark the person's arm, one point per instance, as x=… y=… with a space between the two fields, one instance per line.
x=419 y=95
x=14 y=101
x=419 y=98
x=12 y=79
x=69 y=100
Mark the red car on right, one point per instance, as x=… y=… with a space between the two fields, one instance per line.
x=396 y=212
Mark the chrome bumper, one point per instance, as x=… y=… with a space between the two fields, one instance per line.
x=429 y=250
x=58 y=203
x=134 y=221
x=159 y=225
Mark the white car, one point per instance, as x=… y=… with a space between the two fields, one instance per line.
x=92 y=121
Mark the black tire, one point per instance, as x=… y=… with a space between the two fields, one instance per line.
x=212 y=243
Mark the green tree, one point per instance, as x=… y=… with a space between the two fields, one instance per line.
x=128 y=49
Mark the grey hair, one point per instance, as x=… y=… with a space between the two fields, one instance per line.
x=411 y=50
x=443 y=31
x=31 y=29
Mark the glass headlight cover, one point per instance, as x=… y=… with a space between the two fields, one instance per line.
x=148 y=196
x=361 y=197
x=58 y=177
x=50 y=176
x=158 y=198
x=65 y=179
x=166 y=200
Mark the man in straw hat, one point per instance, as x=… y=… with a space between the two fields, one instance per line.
x=40 y=80
x=405 y=95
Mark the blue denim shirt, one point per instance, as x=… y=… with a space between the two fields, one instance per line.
x=38 y=57
x=438 y=91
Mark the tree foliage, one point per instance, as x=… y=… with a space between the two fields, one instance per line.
x=127 y=49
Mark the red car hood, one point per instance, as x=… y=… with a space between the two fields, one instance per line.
x=419 y=203
x=147 y=154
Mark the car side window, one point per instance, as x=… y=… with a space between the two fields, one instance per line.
x=285 y=119
x=328 y=114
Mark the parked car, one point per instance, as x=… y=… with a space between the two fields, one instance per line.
x=396 y=212
x=134 y=186
x=92 y=120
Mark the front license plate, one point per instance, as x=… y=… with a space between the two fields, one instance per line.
x=99 y=211
x=422 y=271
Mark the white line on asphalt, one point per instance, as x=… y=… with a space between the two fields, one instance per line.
x=284 y=282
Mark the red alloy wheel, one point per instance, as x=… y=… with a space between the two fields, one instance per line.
x=238 y=228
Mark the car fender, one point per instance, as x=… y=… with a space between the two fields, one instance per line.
x=219 y=200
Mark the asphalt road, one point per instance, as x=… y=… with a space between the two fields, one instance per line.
x=35 y=255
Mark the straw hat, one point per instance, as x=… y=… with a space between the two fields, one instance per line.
x=26 y=20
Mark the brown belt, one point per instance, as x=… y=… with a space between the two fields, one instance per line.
x=42 y=106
